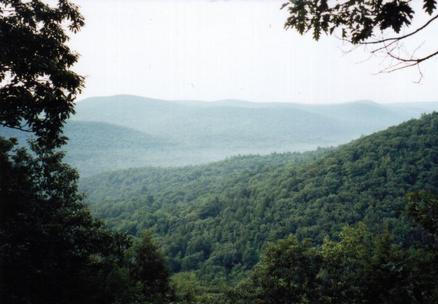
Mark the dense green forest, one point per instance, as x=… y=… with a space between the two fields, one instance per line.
x=215 y=219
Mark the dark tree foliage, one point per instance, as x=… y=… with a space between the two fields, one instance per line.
x=362 y=22
x=423 y=207
x=147 y=268
x=361 y=267
x=287 y=272
x=37 y=85
x=51 y=249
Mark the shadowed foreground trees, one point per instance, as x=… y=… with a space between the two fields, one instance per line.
x=148 y=269
x=37 y=84
x=53 y=251
x=51 y=247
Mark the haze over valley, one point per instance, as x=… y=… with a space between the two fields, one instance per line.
x=120 y=132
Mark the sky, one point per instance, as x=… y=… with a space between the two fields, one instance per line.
x=236 y=49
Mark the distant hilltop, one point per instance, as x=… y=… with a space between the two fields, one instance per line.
x=125 y=131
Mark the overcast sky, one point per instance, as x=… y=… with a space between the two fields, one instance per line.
x=212 y=50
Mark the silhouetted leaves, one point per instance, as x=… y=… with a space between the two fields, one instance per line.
x=38 y=86
x=356 y=20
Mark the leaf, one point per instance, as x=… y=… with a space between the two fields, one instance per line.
x=429 y=6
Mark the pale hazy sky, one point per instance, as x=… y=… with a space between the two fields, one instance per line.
x=211 y=50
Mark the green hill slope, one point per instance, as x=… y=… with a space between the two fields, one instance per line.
x=96 y=147
x=215 y=218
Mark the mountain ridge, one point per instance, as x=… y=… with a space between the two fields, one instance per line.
x=194 y=132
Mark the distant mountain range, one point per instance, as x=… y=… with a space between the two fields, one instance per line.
x=118 y=132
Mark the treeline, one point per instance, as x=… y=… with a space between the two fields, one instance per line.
x=215 y=222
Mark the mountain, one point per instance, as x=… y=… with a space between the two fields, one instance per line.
x=214 y=219
x=120 y=132
x=202 y=132
x=95 y=147
x=239 y=124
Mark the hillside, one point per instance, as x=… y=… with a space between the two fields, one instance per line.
x=121 y=132
x=239 y=124
x=214 y=219
x=95 y=147
x=203 y=132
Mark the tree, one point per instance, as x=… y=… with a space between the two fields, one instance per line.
x=377 y=23
x=148 y=269
x=360 y=267
x=287 y=273
x=37 y=84
x=370 y=268
x=423 y=208
x=51 y=249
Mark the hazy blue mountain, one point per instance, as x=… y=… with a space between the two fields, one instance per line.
x=247 y=124
x=212 y=131
x=118 y=132
x=96 y=146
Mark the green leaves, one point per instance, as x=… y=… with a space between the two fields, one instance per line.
x=147 y=269
x=360 y=267
x=423 y=207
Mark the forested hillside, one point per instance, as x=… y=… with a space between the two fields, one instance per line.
x=96 y=146
x=214 y=219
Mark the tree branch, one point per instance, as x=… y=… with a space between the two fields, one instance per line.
x=18 y=128
x=413 y=60
x=393 y=39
